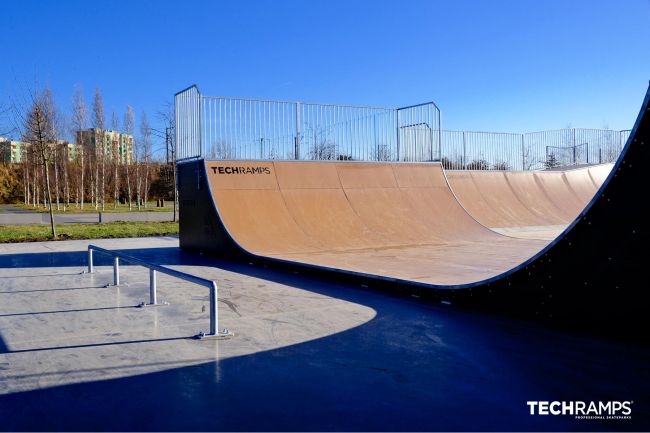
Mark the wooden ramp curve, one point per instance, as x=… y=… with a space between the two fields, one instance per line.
x=398 y=221
x=527 y=204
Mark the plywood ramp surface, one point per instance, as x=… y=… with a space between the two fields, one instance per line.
x=511 y=201
x=397 y=221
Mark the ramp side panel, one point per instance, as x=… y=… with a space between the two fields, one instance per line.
x=599 y=173
x=366 y=175
x=261 y=223
x=495 y=189
x=307 y=175
x=201 y=229
x=472 y=199
x=326 y=216
x=530 y=193
x=556 y=187
x=582 y=185
x=427 y=194
x=252 y=208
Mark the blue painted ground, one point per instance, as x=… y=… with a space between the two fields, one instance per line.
x=416 y=366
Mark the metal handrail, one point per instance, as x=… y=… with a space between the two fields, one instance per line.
x=153 y=301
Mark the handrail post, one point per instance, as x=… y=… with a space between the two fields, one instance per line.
x=152 y=287
x=214 y=332
x=90 y=260
x=116 y=271
x=214 y=314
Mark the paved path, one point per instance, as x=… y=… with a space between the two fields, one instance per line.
x=75 y=354
x=12 y=215
x=7 y=208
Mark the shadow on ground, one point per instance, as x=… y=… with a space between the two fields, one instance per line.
x=416 y=366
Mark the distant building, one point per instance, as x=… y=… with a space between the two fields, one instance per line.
x=11 y=151
x=113 y=144
x=16 y=151
x=72 y=150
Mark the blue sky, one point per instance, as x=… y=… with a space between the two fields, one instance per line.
x=490 y=65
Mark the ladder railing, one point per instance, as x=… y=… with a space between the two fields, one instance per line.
x=153 y=298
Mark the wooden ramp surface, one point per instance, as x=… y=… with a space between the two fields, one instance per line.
x=393 y=220
x=527 y=204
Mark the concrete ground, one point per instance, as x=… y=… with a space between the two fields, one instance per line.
x=76 y=354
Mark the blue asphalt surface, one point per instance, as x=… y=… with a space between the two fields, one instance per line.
x=416 y=366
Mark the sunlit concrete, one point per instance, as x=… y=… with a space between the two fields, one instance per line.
x=309 y=354
x=59 y=325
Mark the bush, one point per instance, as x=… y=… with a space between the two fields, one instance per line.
x=11 y=190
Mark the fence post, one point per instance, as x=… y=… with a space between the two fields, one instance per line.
x=523 y=153
x=116 y=271
x=214 y=317
x=90 y=261
x=398 y=143
x=464 y=152
x=152 y=287
x=439 y=134
x=297 y=143
x=574 y=147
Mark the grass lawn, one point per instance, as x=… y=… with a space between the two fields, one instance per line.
x=88 y=208
x=35 y=233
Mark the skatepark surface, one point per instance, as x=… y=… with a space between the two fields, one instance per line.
x=411 y=222
x=308 y=354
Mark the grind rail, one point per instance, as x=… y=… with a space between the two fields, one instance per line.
x=153 y=298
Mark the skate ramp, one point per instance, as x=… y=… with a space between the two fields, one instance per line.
x=394 y=220
x=527 y=204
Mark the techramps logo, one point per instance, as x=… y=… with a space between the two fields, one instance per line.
x=241 y=170
x=596 y=410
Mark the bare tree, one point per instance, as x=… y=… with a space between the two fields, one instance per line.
x=100 y=140
x=40 y=132
x=129 y=129
x=79 y=124
x=168 y=117
x=56 y=164
x=115 y=126
x=64 y=158
x=383 y=153
x=322 y=151
x=145 y=148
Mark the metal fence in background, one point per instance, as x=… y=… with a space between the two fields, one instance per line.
x=236 y=128
x=253 y=129
x=465 y=150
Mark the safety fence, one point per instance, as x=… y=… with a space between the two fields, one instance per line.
x=236 y=128
x=530 y=151
x=254 y=129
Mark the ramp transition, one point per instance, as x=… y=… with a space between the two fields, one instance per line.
x=337 y=218
x=395 y=221
x=527 y=204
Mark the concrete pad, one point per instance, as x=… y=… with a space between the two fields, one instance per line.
x=62 y=326
x=308 y=355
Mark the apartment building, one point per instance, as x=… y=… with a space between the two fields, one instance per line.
x=113 y=144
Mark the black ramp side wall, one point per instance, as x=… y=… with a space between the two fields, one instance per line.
x=201 y=229
x=596 y=276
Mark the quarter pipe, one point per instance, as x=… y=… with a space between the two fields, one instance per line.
x=412 y=223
